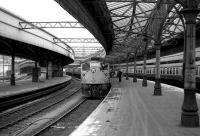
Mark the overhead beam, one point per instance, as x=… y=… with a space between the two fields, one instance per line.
x=137 y=1
x=75 y=40
x=85 y=13
x=141 y=1
x=98 y=53
x=128 y=16
x=86 y=48
x=63 y=24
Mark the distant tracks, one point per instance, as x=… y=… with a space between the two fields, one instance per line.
x=19 y=99
x=11 y=117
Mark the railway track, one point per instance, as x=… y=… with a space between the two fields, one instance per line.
x=9 y=102
x=71 y=121
x=22 y=119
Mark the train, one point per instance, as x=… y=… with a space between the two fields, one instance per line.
x=95 y=78
x=74 y=71
x=171 y=69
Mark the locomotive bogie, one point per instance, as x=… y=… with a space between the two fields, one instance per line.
x=95 y=90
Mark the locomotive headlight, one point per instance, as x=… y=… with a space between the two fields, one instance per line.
x=93 y=70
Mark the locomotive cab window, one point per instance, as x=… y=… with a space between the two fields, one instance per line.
x=85 y=66
x=94 y=64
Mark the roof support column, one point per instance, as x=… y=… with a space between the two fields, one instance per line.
x=157 y=86
x=50 y=69
x=127 y=70
x=12 y=78
x=144 y=81
x=189 y=116
x=134 y=75
x=35 y=73
x=61 y=71
x=47 y=69
x=58 y=70
x=127 y=67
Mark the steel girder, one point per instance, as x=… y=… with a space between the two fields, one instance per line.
x=157 y=20
x=36 y=25
x=132 y=21
x=75 y=40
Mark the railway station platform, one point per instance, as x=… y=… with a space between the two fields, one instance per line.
x=27 y=85
x=133 y=110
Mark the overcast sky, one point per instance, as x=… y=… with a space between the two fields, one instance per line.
x=47 y=10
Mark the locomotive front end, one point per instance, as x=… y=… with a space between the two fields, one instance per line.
x=95 y=78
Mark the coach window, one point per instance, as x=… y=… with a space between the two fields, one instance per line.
x=170 y=71
x=173 y=71
x=165 y=70
x=85 y=66
x=177 y=71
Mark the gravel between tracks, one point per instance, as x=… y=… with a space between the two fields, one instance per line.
x=71 y=121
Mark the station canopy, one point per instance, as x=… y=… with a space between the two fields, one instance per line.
x=137 y=21
x=55 y=20
x=134 y=22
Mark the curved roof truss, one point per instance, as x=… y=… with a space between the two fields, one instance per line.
x=135 y=20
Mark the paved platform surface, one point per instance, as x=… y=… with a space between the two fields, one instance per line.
x=133 y=110
x=28 y=85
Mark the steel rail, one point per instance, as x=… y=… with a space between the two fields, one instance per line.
x=66 y=95
x=54 y=120
x=33 y=106
x=15 y=100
